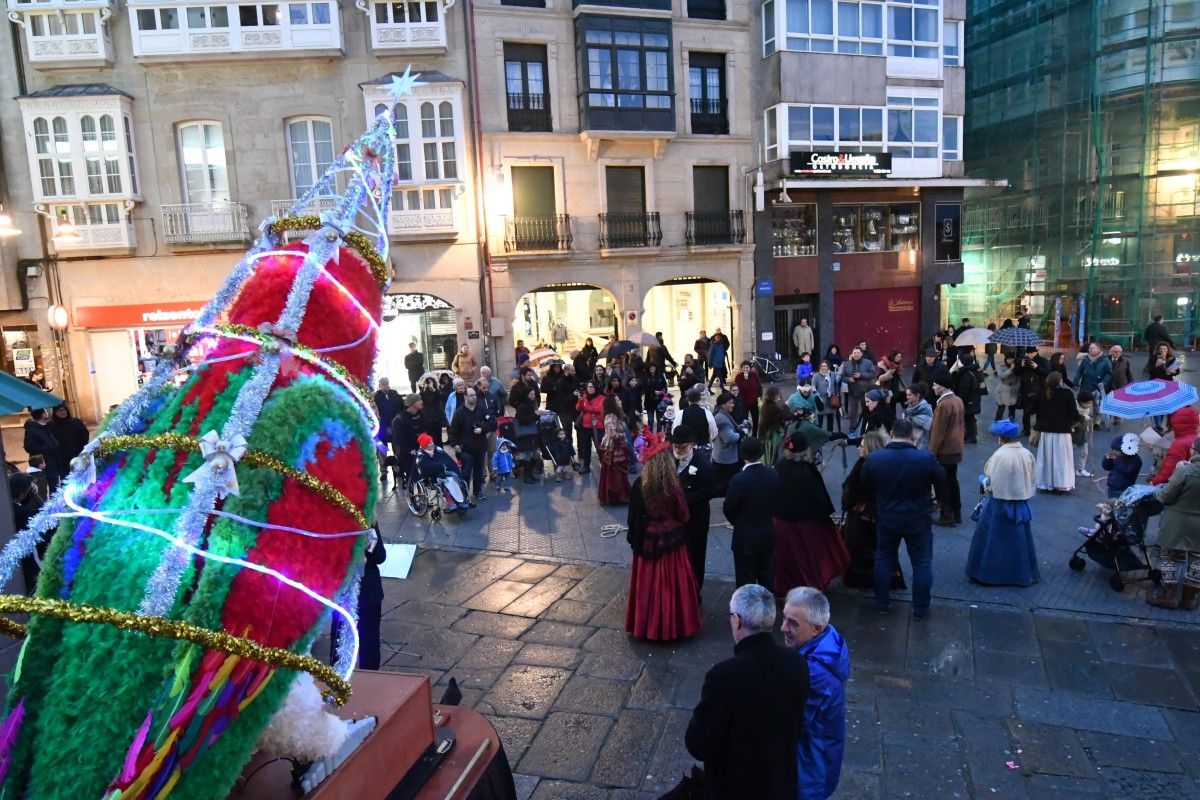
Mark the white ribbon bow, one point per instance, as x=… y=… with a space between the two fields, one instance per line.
x=219 y=458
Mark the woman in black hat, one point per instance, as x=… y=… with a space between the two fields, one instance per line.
x=808 y=550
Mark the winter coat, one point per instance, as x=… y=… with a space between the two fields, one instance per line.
x=1057 y=413
x=464 y=366
x=1031 y=379
x=803 y=339
x=1167 y=371
x=1122 y=373
x=414 y=365
x=866 y=371
x=1179 y=525
x=804 y=372
x=725 y=446
x=462 y=428
x=1123 y=471
x=502 y=459
x=946 y=432
x=923 y=373
x=71 y=433
x=1007 y=389
x=591 y=411
x=1184 y=422
x=750 y=388
x=819 y=756
x=1093 y=373
x=966 y=386
x=920 y=414
x=897 y=479
x=802 y=492
x=561 y=399
x=1012 y=472
x=652 y=392
x=388 y=404
x=453 y=401
x=39 y=441
x=824 y=386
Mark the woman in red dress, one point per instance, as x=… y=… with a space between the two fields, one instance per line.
x=663 y=599
x=808 y=549
x=614 y=455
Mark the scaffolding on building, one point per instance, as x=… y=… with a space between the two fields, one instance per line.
x=1091 y=110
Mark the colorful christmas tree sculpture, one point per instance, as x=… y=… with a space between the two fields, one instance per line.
x=208 y=532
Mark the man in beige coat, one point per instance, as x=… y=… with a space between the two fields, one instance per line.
x=946 y=443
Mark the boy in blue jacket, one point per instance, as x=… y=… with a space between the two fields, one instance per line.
x=819 y=754
x=1122 y=463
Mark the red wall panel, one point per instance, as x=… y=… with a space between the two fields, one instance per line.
x=886 y=318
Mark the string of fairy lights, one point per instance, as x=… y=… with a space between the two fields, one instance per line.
x=358 y=220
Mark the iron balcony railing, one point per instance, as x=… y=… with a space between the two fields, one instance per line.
x=715 y=227
x=630 y=229
x=708 y=115
x=528 y=112
x=216 y=221
x=541 y=232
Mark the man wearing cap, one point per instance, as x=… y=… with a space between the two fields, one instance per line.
x=699 y=483
x=414 y=365
x=946 y=443
x=1031 y=370
x=406 y=427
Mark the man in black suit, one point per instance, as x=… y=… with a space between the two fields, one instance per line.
x=750 y=508
x=1032 y=370
x=750 y=717
x=699 y=482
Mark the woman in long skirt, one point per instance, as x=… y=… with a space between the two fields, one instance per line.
x=1002 y=551
x=663 y=598
x=1057 y=414
x=771 y=420
x=808 y=550
x=858 y=527
x=614 y=455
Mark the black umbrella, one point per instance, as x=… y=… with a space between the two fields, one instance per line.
x=616 y=349
x=1016 y=337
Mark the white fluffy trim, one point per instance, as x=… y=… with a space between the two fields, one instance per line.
x=302 y=728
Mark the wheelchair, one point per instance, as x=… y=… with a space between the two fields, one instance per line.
x=425 y=496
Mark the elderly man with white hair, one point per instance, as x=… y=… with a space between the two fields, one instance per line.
x=749 y=721
x=806 y=627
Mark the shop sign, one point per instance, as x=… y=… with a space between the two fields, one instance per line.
x=850 y=164
x=900 y=306
x=23 y=363
x=947 y=218
x=146 y=315
x=1111 y=261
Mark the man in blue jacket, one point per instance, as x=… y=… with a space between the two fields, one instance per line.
x=806 y=628
x=899 y=478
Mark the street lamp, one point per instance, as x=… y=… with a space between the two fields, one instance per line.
x=58 y=317
x=66 y=233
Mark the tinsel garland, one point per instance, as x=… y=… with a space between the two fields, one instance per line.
x=359 y=241
x=254 y=458
x=339 y=688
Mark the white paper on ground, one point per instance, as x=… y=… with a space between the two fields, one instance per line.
x=399 y=560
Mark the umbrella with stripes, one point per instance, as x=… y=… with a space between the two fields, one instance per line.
x=1148 y=399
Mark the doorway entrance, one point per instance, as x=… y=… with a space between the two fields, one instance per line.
x=563 y=316
x=788 y=313
x=683 y=307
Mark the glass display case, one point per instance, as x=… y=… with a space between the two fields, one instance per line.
x=845 y=229
x=794 y=230
x=874 y=229
x=904 y=223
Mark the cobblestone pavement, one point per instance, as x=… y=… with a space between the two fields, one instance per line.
x=978 y=701
x=564 y=521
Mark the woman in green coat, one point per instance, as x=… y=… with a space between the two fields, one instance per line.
x=1179 y=536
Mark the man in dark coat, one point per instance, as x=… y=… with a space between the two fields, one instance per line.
x=468 y=432
x=966 y=382
x=40 y=441
x=750 y=507
x=699 y=483
x=414 y=365
x=923 y=370
x=1031 y=370
x=387 y=403
x=750 y=717
x=406 y=427
x=899 y=478
x=71 y=433
x=1156 y=334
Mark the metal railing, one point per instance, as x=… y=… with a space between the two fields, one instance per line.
x=217 y=221
x=543 y=232
x=715 y=227
x=528 y=112
x=630 y=229
x=708 y=115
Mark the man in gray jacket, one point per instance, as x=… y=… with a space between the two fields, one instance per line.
x=858 y=374
x=725 y=445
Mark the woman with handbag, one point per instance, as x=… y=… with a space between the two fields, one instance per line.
x=614 y=455
x=1002 y=551
x=858 y=522
x=825 y=383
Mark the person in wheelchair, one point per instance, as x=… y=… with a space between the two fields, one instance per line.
x=434 y=464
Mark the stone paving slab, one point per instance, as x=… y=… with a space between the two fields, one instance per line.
x=948 y=708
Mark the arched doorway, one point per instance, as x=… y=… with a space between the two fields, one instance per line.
x=682 y=307
x=426 y=319
x=563 y=315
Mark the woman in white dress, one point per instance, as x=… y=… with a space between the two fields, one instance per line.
x=1057 y=414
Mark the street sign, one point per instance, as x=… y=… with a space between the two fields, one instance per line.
x=764 y=287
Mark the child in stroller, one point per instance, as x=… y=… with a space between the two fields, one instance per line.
x=436 y=484
x=1118 y=540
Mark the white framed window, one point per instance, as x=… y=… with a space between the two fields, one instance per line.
x=410 y=13
x=401 y=25
x=310 y=151
x=429 y=136
x=202 y=162
x=952 y=44
x=207 y=17
x=825 y=26
x=913 y=29
x=908 y=127
x=308 y=14
x=768 y=25
x=913 y=126
x=952 y=138
x=80 y=147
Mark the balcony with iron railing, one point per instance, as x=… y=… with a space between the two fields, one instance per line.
x=630 y=229
x=708 y=115
x=542 y=233
x=65 y=31
x=528 y=112
x=167 y=29
x=713 y=228
x=215 y=222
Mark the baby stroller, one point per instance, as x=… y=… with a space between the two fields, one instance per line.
x=426 y=496
x=1118 y=540
x=527 y=458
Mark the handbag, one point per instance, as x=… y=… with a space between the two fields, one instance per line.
x=978 y=512
x=835 y=401
x=1035 y=437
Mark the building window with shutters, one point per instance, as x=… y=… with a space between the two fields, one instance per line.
x=526 y=89
x=706 y=93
